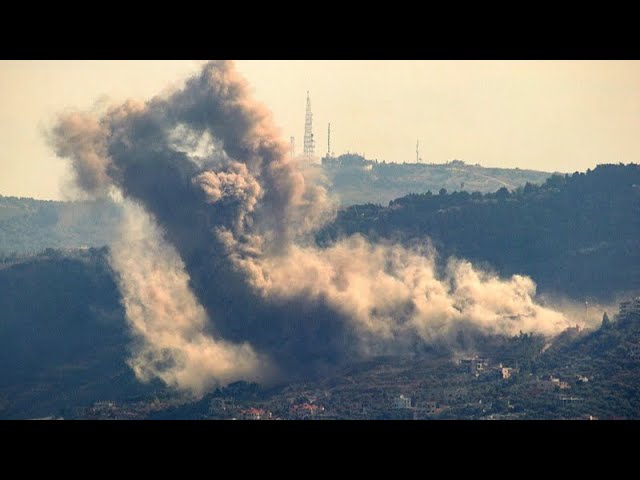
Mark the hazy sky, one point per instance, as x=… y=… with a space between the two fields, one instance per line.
x=545 y=115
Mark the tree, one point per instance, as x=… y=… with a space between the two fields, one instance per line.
x=528 y=188
x=503 y=193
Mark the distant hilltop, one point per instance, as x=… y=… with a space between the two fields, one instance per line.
x=357 y=180
x=29 y=226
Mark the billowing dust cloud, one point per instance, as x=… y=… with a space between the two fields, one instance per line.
x=167 y=319
x=219 y=273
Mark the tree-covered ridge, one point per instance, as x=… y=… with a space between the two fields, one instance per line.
x=356 y=180
x=29 y=226
x=63 y=335
x=574 y=234
x=64 y=345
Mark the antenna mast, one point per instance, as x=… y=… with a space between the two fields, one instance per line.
x=309 y=144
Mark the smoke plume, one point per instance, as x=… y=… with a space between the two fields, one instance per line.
x=166 y=319
x=218 y=270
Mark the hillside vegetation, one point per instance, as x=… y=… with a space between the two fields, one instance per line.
x=577 y=234
x=356 y=180
x=29 y=226
x=63 y=335
x=64 y=339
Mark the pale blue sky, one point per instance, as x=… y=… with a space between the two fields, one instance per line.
x=546 y=115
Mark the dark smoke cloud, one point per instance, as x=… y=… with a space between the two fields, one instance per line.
x=166 y=317
x=236 y=214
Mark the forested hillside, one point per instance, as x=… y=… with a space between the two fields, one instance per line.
x=575 y=234
x=63 y=335
x=356 y=180
x=29 y=226
x=64 y=339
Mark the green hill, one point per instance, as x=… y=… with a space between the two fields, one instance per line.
x=356 y=180
x=63 y=335
x=64 y=339
x=29 y=226
x=577 y=235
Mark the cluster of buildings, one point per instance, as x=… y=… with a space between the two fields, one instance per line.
x=255 y=414
x=221 y=407
x=401 y=402
x=475 y=365
x=480 y=365
x=423 y=410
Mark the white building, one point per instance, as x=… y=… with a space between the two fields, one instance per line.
x=402 y=402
